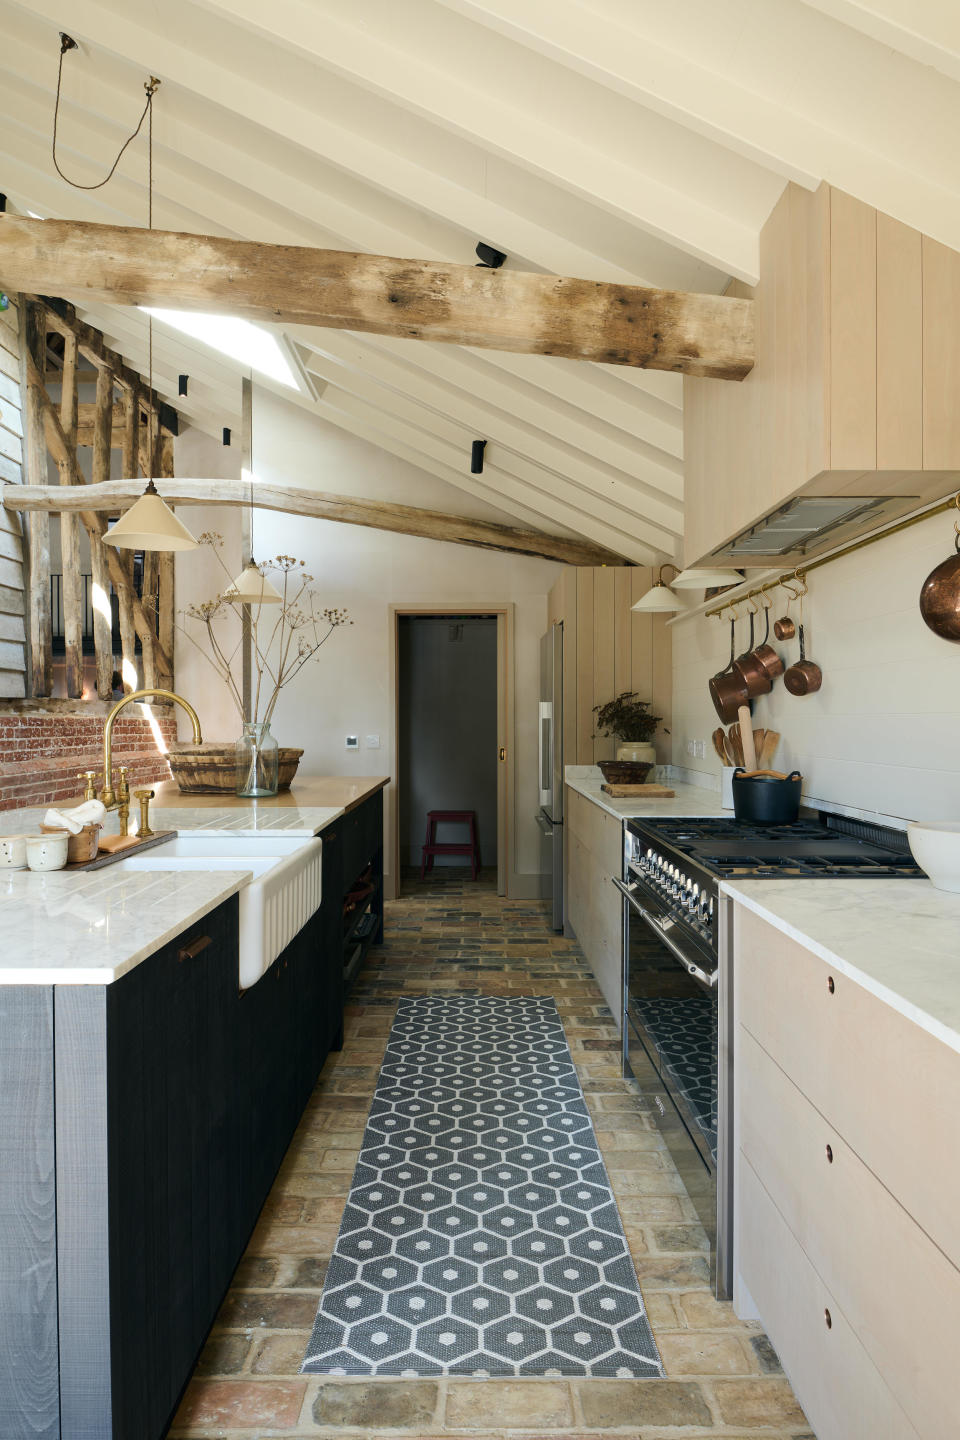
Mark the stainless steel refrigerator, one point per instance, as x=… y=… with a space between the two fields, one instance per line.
x=550 y=813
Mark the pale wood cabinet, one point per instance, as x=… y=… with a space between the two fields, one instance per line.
x=846 y=1181
x=855 y=382
x=594 y=855
x=607 y=649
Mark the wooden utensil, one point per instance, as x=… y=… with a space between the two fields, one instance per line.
x=768 y=749
x=736 y=741
x=746 y=734
x=718 y=738
x=729 y=751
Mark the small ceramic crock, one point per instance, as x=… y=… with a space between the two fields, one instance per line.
x=47 y=852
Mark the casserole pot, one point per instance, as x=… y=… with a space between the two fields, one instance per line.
x=766 y=797
x=803 y=677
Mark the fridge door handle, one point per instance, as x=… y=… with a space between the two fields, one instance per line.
x=545 y=825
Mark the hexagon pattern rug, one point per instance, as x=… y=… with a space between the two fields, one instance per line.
x=480 y=1235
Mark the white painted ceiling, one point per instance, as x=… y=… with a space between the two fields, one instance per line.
x=611 y=139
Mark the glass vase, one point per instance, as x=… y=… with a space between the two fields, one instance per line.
x=258 y=760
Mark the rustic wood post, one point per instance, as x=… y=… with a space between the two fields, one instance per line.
x=100 y=569
x=41 y=647
x=71 y=580
x=166 y=598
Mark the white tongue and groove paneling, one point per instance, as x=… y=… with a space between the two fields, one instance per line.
x=620 y=140
x=12 y=636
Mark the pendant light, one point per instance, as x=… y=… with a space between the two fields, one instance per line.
x=705 y=579
x=250 y=587
x=659 y=598
x=150 y=524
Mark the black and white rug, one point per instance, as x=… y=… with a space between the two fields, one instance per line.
x=480 y=1235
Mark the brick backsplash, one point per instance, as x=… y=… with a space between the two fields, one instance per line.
x=42 y=755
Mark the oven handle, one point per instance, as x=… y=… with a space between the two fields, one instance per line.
x=627 y=891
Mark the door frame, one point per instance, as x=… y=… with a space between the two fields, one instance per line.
x=504 y=613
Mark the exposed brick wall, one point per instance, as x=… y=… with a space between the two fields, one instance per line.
x=42 y=755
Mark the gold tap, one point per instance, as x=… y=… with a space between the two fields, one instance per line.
x=119 y=799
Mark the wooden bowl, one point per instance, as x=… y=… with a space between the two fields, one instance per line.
x=625 y=772
x=211 y=768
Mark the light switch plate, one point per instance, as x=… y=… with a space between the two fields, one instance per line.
x=353 y=742
x=373 y=742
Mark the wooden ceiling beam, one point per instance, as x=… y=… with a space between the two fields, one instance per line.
x=516 y=311
x=348 y=509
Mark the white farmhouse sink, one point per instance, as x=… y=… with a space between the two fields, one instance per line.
x=279 y=900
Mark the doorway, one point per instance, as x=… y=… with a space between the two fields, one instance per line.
x=450 y=745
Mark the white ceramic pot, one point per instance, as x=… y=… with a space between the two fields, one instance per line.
x=936 y=849
x=47 y=852
x=638 y=751
x=13 y=852
x=726 y=786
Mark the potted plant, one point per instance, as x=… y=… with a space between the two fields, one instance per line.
x=284 y=637
x=632 y=722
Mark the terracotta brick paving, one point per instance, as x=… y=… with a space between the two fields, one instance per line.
x=723 y=1378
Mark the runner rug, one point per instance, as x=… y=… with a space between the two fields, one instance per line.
x=480 y=1235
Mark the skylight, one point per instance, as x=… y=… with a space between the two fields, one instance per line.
x=249 y=345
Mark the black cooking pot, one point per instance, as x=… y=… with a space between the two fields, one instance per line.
x=766 y=797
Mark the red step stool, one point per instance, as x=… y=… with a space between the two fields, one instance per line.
x=432 y=846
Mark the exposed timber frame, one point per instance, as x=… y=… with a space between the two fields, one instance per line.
x=512 y=310
x=376 y=514
x=53 y=427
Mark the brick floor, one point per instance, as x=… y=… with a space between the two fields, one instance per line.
x=723 y=1379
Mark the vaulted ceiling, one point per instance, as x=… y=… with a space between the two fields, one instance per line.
x=610 y=139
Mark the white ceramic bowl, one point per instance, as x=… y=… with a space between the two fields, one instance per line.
x=48 y=852
x=936 y=848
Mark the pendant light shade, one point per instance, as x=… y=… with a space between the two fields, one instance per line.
x=659 y=598
x=150 y=524
x=252 y=588
x=705 y=579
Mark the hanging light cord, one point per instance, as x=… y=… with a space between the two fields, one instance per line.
x=66 y=43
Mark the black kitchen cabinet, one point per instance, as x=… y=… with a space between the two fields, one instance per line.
x=149 y=1119
x=353 y=849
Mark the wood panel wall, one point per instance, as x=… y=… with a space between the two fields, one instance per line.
x=607 y=649
x=12 y=604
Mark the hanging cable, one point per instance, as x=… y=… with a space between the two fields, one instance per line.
x=66 y=43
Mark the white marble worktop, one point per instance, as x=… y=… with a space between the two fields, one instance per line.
x=238 y=818
x=90 y=927
x=898 y=938
x=586 y=780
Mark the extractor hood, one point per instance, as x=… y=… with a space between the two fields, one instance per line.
x=810 y=519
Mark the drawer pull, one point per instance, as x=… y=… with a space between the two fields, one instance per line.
x=830 y=985
x=191 y=951
x=829 y=1154
x=828 y=1319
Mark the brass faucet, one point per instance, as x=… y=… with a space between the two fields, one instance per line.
x=119 y=799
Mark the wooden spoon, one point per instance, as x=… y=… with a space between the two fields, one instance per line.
x=718 y=738
x=768 y=749
x=736 y=741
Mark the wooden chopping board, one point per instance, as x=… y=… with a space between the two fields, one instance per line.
x=626 y=792
x=118 y=847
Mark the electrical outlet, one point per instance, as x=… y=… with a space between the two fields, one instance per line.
x=692 y=748
x=353 y=742
x=700 y=749
x=373 y=742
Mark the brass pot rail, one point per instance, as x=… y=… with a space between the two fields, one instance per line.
x=802 y=570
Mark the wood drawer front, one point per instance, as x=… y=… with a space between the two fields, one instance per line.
x=899 y=1293
x=889 y=1087
x=602 y=834
x=841 y=1390
x=594 y=910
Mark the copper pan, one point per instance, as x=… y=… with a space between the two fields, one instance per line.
x=940 y=597
x=784 y=628
x=803 y=677
x=727 y=690
x=755 y=668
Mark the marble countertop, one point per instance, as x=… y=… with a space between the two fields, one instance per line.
x=586 y=780
x=899 y=939
x=91 y=927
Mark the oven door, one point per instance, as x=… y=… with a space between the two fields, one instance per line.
x=670 y=1045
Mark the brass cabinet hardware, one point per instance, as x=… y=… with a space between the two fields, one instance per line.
x=191 y=951
x=829 y=1154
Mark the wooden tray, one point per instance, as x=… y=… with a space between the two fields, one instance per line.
x=120 y=851
x=651 y=791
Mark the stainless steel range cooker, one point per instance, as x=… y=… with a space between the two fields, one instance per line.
x=677 y=958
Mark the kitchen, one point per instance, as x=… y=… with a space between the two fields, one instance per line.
x=591 y=470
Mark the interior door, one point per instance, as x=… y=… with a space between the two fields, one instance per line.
x=504 y=757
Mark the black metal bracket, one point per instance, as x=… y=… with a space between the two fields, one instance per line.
x=489 y=259
x=476 y=456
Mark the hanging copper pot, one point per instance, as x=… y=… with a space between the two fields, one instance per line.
x=784 y=628
x=761 y=665
x=940 y=597
x=727 y=690
x=803 y=677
